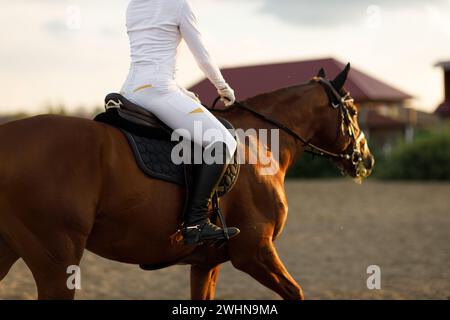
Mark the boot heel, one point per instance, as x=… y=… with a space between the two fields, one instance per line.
x=192 y=237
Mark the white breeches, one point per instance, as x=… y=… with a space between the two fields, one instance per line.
x=162 y=96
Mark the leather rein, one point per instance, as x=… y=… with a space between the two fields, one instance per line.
x=337 y=101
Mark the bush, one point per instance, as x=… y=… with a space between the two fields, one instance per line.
x=427 y=158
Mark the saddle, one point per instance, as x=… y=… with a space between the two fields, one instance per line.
x=150 y=140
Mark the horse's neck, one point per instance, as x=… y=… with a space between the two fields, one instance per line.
x=278 y=106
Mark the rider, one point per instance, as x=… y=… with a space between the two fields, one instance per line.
x=155 y=29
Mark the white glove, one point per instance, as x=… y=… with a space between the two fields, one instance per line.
x=190 y=94
x=227 y=96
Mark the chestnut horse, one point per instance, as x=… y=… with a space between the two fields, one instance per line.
x=70 y=184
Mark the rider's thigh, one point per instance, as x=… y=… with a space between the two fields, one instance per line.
x=178 y=111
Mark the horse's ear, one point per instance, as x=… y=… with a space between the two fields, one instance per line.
x=339 y=82
x=321 y=73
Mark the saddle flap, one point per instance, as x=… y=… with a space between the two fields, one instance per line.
x=139 y=118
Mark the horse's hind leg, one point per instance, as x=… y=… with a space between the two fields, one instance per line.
x=52 y=259
x=7 y=258
x=203 y=282
x=52 y=277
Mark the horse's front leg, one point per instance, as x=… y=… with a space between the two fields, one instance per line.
x=203 y=282
x=263 y=264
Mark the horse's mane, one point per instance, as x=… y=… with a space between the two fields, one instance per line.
x=269 y=98
x=282 y=93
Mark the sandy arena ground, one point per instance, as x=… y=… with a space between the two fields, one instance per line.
x=335 y=230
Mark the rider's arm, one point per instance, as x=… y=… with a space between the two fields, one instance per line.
x=193 y=37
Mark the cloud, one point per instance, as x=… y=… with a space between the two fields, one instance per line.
x=331 y=12
x=76 y=66
x=55 y=27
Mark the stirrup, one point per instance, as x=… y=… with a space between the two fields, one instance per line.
x=218 y=213
x=196 y=234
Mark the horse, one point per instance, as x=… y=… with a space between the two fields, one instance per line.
x=70 y=184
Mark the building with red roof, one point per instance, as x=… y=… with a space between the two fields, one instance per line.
x=443 y=110
x=249 y=81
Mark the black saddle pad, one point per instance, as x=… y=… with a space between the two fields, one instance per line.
x=154 y=158
x=151 y=146
x=152 y=149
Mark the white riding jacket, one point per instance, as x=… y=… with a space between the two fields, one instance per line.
x=156 y=28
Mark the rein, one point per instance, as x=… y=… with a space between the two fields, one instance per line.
x=336 y=101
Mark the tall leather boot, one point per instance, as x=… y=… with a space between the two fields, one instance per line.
x=198 y=228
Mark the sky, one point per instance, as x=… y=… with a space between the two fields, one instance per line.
x=74 y=52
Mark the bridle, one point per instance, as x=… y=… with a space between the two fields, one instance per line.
x=344 y=103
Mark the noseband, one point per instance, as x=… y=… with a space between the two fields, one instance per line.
x=347 y=126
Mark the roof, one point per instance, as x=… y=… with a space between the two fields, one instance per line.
x=443 y=110
x=249 y=81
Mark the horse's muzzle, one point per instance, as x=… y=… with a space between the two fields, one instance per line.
x=369 y=162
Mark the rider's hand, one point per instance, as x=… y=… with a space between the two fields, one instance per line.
x=227 y=95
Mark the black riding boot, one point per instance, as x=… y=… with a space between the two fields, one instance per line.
x=198 y=228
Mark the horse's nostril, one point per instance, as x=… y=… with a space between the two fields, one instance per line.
x=370 y=162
